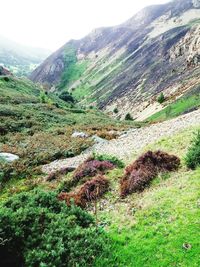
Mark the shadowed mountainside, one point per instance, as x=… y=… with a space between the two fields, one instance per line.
x=127 y=66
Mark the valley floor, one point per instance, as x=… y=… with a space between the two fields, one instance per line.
x=131 y=142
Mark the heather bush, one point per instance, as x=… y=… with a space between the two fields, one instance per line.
x=89 y=191
x=139 y=174
x=193 y=155
x=114 y=160
x=36 y=229
x=94 y=188
x=91 y=167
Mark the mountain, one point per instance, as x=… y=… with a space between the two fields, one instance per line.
x=126 y=67
x=20 y=59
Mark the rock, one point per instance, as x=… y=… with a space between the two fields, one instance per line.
x=9 y=157
x=98 y=139
x=196 y=3
x=80 y=135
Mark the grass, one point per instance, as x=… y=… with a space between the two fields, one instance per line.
x=167 y=219
x=185 y=104
x=158 y=227
x=152 y=228
x=41 y=132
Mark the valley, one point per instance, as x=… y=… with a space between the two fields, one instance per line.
x=100 y=146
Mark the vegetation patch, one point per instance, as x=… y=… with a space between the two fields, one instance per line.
x=187 y=103
x=139 y=174
x=90 y=191
x=193 y=155
x=39 y=230
x=91 y=167
x=114 y=160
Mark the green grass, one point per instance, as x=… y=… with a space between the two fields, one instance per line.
x=41 y=132
x=18 y=90
x=169 y=217
x=185 y=104
x=150 y=228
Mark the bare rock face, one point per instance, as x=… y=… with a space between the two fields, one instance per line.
x=196 y=3
x=130 y=64
x=188 y=47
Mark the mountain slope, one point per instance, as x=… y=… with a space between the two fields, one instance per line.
x=19 y=58
x=126 y=67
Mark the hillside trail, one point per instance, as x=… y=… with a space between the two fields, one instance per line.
x=132 y=141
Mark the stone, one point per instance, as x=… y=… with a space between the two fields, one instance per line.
x=196 y=3
x=9 y=157
x=98 y=139
x=80 y=135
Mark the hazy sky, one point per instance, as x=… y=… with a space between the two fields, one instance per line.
x=51 y=23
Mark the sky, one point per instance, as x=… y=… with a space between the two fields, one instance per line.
x=51 y=23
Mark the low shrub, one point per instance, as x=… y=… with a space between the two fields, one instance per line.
x=67 y=97
x=114 y=160
x=139 y=174
x=115 y=110
x=161 y=98
x=128 y=117
x=91 y=190
x=193 y=155
x=39 y=230
x=91 y=167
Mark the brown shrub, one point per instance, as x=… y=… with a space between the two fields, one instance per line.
x=90 y=168
x=56 y=174
x=72 y=197
x=91 y=190
x=139 y=174
x=94 y=188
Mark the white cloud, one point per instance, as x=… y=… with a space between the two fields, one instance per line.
x=50 y=23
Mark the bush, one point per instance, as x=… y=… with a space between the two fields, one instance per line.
x=139 y=174
x=115 y=110
x=161 y=98
x=65 y=96
x=91 y=167
x=114 y=160
x=91 y=190
x=43 y=97
x=39 y=230
x=128 y=117
x=193 y=155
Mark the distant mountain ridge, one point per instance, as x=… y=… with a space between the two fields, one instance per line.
x=19 y=58
x=126 y=67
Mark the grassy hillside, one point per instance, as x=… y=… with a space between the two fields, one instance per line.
x=38 y=127
x=159 y=226
x=185 y=104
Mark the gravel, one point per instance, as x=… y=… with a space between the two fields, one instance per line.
x=131 y=142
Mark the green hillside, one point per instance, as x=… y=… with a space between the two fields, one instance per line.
x=190 y=101
x=38 y=126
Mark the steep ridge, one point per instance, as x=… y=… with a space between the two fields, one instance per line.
x=126 y=67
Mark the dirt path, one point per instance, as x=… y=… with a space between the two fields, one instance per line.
x=130 y=142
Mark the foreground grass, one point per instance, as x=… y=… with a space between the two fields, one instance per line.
x=160 y=226
x=166 y=219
